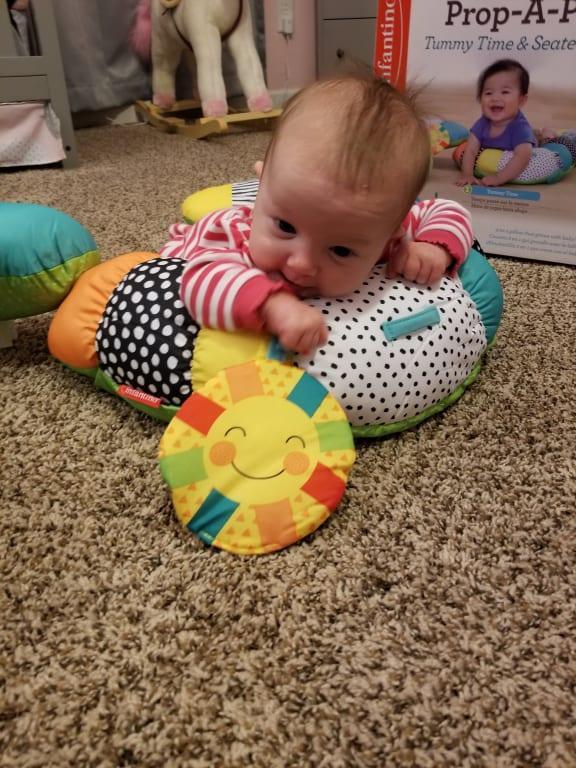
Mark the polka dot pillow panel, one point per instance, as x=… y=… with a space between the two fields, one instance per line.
x=145 y=340
x=397 y=351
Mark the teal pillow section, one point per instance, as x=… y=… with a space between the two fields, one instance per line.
x=43 y=251
x=483 y=285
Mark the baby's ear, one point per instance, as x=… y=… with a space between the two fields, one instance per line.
x=258 y=166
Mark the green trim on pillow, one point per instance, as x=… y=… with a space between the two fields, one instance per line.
x=102 y=381
x=166 y=413
x=36 y=238
x=25 y=295
x=383 y=430
x=162 y=413
x=91 y=372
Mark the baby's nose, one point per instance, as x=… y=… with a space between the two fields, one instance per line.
x=302 y=261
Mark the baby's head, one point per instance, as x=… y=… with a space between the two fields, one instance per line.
x=502 y=90
x=346 y=162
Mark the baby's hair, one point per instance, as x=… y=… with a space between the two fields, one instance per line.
x=505 y=65
x=378 y=136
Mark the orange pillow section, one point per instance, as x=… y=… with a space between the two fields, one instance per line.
x=83 y=309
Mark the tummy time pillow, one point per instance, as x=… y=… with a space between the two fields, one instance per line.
x=549 y=163
x=397 y=352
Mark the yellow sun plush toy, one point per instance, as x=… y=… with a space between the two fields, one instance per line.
x=257 y=458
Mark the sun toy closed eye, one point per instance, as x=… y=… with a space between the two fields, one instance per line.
x=257 y=458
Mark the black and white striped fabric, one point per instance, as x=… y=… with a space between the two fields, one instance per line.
x=244 y=192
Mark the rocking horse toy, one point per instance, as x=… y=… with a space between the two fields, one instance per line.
x=165 y=28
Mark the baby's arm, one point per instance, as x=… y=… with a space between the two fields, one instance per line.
x=468 y=161
x=221 y=292
x=438 y=237
x=297 y=326
x=512 y=169
x=221 y=288
x=422 y=263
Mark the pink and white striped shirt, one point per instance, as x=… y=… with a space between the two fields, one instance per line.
x=221 y=287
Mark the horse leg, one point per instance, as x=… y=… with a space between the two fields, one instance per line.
x=166 y=52
x=204 y=37
x=248 y=64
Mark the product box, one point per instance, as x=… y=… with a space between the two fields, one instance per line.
x=443 y=46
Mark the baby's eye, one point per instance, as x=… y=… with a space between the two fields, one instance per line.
x=341 y=251
x=285 y=226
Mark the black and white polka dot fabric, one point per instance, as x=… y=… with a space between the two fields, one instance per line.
x=543 y=164
x=396 y=348
x=146 y=337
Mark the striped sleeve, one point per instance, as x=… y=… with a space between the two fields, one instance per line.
x=442 y=222
x=220 y=286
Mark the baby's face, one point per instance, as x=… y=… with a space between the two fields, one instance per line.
x=321 y=239
x=501 y=98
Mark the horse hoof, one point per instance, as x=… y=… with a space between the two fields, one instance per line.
x=214 y=108
x=163 y=100
x=262 y=103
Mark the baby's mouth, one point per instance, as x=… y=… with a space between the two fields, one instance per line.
x=300 y=289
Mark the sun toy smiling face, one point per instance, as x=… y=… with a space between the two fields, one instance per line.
x=257 y=458
x=261 y=449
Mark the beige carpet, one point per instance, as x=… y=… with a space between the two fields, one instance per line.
x=430 y=622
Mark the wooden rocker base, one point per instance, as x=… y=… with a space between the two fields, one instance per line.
x=186 y=118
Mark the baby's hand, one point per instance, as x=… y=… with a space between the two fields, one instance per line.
x=466 y=178
x=422 y=263
x=299 y=327
x=491 y=181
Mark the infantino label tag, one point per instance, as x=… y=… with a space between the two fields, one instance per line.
x=138 y=396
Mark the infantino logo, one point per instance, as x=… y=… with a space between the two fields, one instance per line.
x=391 y=38
x=535 y=12
x=130 y=393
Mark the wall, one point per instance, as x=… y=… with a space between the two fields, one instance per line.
x=291 y=63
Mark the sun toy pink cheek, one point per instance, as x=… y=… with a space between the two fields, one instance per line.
x=222 y=453
x=296 y=463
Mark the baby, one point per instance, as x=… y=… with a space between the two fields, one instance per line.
x=502 y=91
x=336 y=196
